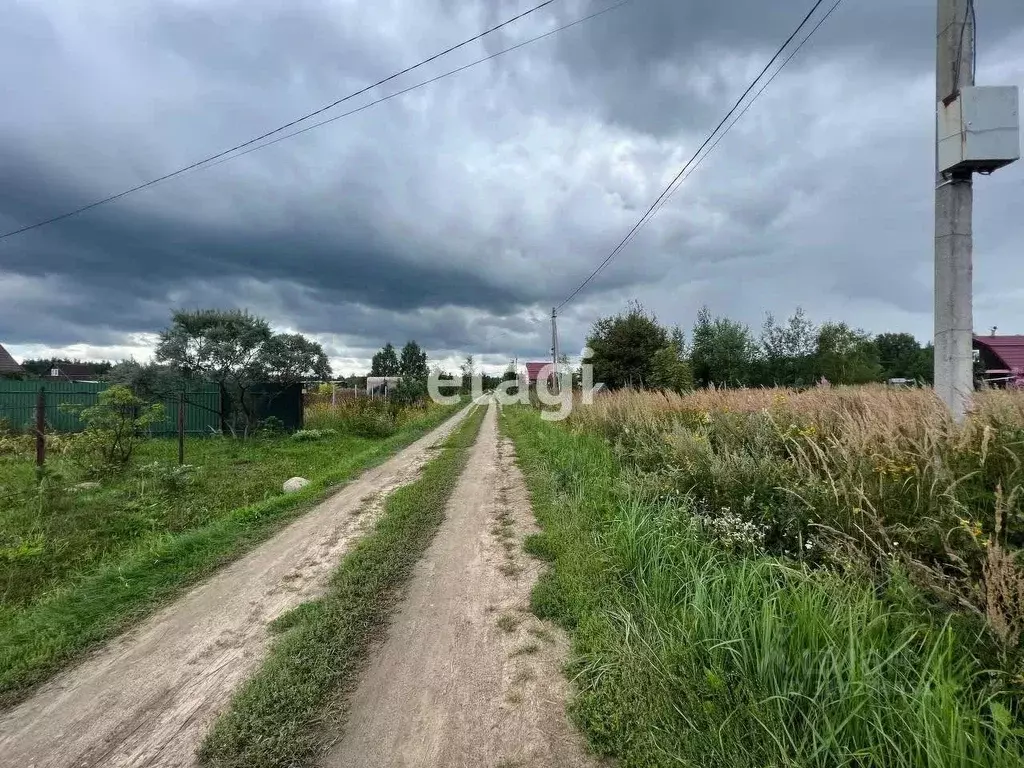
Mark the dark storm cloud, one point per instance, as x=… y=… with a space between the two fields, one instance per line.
x=457 y=215
x=651 y=67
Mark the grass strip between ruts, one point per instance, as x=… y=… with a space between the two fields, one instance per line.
x=280 y=717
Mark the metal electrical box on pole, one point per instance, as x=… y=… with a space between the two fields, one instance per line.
x=976 y=131
x=979 y=130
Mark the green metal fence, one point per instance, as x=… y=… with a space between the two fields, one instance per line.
x=18 y=406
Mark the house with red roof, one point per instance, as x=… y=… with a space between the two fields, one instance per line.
x=1001 y=359
x=535 y=372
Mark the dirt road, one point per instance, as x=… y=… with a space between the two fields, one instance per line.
x=148 y=698
x=466 y=676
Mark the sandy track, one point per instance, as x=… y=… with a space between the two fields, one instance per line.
x=466 y=676
x=148 y=698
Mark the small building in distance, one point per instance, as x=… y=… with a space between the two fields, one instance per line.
x=71 y=372
x=9 y=367
x=1000 y=360
x=381 y=386
x=534 y=371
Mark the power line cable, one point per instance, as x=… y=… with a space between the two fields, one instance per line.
x=969 y=14
x=749 y=105
x=284 y=127
x=643 y=219
x=442 y=76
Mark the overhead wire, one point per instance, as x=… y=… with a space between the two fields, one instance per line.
x=280 y=128
x=749 y=104
x=423 y=83
x=650 y=211
x=969 y=14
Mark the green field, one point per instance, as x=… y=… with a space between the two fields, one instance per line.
x=77 y=566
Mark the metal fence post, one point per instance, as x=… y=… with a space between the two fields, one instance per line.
x=40 y=432
x=181 y=428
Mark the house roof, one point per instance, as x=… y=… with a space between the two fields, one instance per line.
x=533 y=370
x=72 y=371
x=7 y=363
x=1009 y=349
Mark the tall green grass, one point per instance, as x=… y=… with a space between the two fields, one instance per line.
x=686 y=654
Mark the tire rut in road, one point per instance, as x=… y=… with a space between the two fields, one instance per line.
x=467 y=676
x=149 y=696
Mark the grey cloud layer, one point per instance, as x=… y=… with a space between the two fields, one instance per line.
x=454 y=213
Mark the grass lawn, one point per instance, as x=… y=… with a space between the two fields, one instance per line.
x=76 y=567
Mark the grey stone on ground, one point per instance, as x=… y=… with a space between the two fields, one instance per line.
x=295 y=484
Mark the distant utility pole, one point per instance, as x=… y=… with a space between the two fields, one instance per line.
x=554 y=342
x=954 y=202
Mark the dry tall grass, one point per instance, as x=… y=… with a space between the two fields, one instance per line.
x=851 y=476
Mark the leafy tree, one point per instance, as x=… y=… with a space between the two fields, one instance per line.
x=846 y=355
x=899 y=354
x=151 y=382
x=624 y=347
x=723 y=351
x=701 y=350
x=924 y=366
x=413 y=362
x=236 y=350
x=291 y=358
x=385 y=362
x=468 y=368
x=223 y=346
x=787 y=351
x=670 y=370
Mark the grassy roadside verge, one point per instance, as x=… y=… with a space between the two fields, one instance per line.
x=277 y=718
x=41 y=637
x=684 y=654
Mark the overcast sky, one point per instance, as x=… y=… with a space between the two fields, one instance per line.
x=458 y=214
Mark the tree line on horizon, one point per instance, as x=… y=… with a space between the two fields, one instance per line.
x=632 y=349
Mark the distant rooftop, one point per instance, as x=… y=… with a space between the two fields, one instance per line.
x=1008 y=349
x=533 y=371
x=7 y=363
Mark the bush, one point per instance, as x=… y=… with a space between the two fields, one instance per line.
x=360 y=416
x=113 y=428
x=171 y=479
x=410 y=391
x=270 y=427
x=312 y=435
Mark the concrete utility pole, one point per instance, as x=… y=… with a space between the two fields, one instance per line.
x=954 y=202
x=554 y=342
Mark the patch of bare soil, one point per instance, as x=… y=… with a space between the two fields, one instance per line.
x=467 y=676
x=148 y=697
